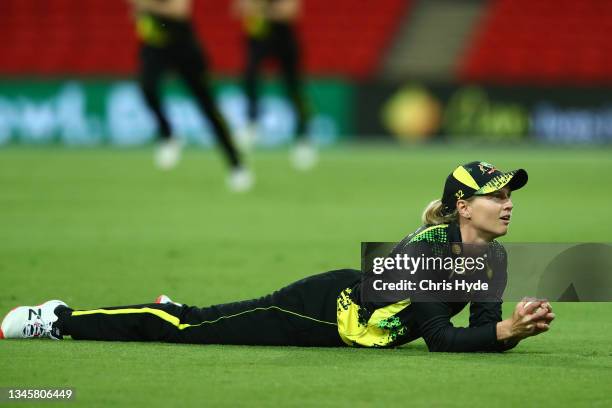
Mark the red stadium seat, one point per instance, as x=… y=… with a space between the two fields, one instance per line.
x=541 y=41
x=55 y=37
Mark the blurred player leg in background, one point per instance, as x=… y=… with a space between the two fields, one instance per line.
x=192 y=68
x=169 y=41
x=153 y=63
x=304 y=155
x=269 y=27
x=256 y=52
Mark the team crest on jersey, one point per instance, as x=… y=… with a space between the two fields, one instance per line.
x=456 y=249
x=486 y=168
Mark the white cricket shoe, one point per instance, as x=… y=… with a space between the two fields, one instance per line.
x=240 y=180
x=27 y=322
x=304 y=156
x=163 y=299
x=168 y=153
x=247 y=137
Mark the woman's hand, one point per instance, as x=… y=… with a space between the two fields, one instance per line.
x=529 y=318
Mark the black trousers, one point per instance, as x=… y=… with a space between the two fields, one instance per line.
x=187 y=58
x=281 y=45
x=301 y=314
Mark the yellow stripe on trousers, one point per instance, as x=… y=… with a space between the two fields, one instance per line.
x=175 y=320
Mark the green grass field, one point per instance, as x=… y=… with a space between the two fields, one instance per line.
x=100 y=227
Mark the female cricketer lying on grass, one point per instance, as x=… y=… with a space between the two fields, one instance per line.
x=325 y=309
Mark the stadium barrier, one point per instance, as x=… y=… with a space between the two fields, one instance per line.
x=111 y=111
x=104 y=111
x=422 y=111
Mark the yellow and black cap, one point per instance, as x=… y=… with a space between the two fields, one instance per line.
x=478 y=178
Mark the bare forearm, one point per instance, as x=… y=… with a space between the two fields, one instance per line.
x=504 y=334
x=287 y=10
x=247 y=8
x=504 y=330
x=175 y=9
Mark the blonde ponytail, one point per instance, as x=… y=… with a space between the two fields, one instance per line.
x=432 y=215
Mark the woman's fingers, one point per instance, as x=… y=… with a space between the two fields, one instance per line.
x=532 y=317
x=529 y=307
x=531 y=304
x=539 y=313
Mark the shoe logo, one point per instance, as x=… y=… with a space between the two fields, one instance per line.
x=33 y=312
x=35 y=329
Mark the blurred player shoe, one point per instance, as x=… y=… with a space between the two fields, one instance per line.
x=304 y=155
x=168 y=153
x=247 y=137
x=240 y=180
x=163 y=299
x=26 y=322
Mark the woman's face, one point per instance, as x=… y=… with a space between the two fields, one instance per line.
x=490 y=214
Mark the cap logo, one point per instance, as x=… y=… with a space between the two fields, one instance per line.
x=459 y=194
x=486 y=168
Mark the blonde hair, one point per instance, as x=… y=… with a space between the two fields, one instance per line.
x=432 y=215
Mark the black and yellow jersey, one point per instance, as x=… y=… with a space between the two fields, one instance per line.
x=158 y=31
x=258 y=26
x=391 y=324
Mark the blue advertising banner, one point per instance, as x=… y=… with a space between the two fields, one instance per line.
x=96 y=111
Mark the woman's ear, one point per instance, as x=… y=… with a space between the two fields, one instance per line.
x=463 y=209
